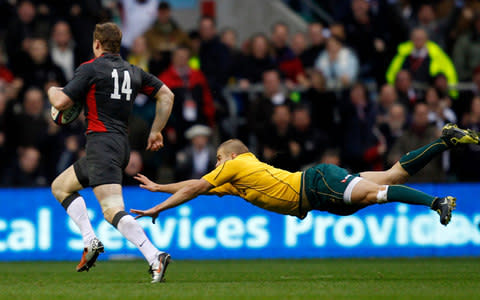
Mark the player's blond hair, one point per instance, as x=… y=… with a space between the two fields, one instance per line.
x=234 y=146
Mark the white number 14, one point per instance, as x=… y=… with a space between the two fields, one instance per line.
x=126 y=85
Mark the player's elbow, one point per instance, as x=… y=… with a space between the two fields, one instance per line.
x=165 y=96
x=60 y=101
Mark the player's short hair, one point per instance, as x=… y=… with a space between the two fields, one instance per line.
x=234 y=146
x=109 y=35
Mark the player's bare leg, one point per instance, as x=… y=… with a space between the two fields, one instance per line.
x=415 y=160
x=111 y=201
x=394 y=175
x=65 y=189
x=367 y=193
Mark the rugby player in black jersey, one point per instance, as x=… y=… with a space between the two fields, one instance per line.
x=108 y=85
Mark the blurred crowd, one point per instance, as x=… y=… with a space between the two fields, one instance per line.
x=380 y=79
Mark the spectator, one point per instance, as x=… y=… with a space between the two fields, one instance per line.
x=338 y=63
x=299 y=45
x=317 y=45
x=39 y=69
x=439 y=112
x=366 y=34
x=82 y=17
x=435 y=27
x=135 y=166
x=387 y=98
x=214 y=58
x=26 y=171
x=63 y=50
x=163 y=37
x=420 y=133
x=195 y=43
x=466 y=53
x=286 y=60
x=137 y=17
x=278 y=146
x=323 y=106
x=394 y=125
x=193 y=100
x=29 y=126
x=6 y=76
x=257 y=61
x=423 y=59
x=309 y=142
x=407 y=95
x=358 y=118
x=139 y=55
x=21 y=29
x=261 y=109
x=199 y=157
x=70 y=155
x=466 y=163
x=229 y=39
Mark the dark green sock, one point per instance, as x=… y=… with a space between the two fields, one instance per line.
x=415 y=160
x=405 y=194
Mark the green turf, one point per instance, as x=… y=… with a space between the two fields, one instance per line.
x=249 y=279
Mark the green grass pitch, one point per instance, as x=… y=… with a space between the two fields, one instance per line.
x=420 y=278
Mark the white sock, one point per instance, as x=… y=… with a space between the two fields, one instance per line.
x=135 y=234
x=77 y=210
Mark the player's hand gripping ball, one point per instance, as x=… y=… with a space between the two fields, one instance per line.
x=68 y=115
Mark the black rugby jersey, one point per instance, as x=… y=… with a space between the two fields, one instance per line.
x=108 y=85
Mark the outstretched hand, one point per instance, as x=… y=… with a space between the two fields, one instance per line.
x=155 y=141
x=145 y=213
x=146 y=183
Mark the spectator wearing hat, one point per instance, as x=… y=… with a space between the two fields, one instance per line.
x=199 y=157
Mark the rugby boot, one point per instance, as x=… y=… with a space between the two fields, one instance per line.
x=90 y=255
x=159 y=267
x=444 y=207
x=453 y=136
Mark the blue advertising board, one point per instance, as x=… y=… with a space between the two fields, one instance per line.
x=33 y=226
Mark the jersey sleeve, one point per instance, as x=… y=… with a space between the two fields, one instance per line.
x=222 y=174
x=150 y=84
x=78 y=87
x=225 y=189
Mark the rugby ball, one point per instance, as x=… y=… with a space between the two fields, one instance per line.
x=68 y=115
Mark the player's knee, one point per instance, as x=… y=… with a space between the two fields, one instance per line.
x=111 y=205
x=381 y=194
x=110 y=214
x=57 y=190
x=397 y=175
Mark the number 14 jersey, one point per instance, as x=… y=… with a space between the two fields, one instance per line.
x=108 y=86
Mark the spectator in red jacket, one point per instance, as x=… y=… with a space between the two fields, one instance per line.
x=193 y=99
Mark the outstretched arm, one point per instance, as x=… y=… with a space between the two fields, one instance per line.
x=186 y=193
x=171 y=188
